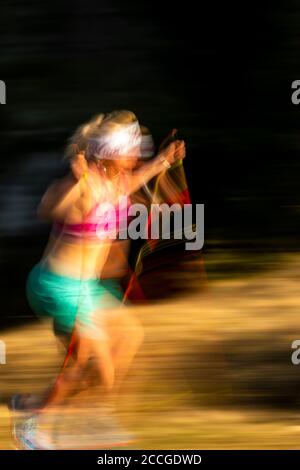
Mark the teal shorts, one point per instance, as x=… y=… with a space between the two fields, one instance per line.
x=67 y=299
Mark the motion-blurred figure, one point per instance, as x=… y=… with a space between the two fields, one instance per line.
x=67 y=284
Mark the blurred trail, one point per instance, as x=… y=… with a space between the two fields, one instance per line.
x=214 y=371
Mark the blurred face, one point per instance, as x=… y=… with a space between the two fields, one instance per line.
x=128 y=161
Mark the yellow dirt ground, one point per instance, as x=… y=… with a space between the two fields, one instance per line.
x=214 y=371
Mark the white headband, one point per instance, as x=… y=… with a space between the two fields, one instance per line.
x=116 y=144
x=147 y=146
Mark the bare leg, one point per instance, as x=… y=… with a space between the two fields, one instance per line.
x=126 y=347
x=111 y=360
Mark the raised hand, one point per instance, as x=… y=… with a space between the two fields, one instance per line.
x=175 y=151
x=180 y=151
x=79 y=166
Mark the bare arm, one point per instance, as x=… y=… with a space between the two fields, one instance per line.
x=174 y=151
x=69 y=198
x=57 y=200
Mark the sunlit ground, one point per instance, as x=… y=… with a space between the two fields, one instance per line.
x=214 y=371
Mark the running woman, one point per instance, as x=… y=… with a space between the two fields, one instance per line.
x=65 y=283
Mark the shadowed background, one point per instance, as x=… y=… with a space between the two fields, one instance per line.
x=222 y=75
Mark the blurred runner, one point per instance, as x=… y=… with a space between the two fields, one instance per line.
x=86 y=312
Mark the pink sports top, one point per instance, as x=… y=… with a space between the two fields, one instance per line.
x=104 y=221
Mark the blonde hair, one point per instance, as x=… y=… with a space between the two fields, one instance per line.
x=99 y=126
